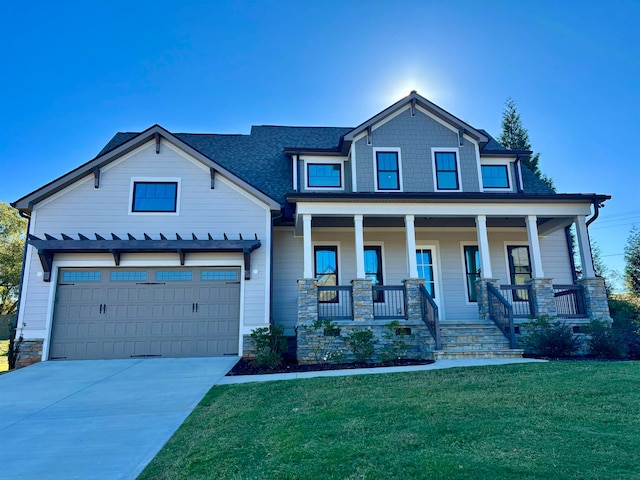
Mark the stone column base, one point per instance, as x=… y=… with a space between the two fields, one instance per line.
x=595 y=298
x=29 y=352
x=543 y=302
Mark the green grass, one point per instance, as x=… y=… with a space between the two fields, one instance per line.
x=4 y=349
x=565 y=420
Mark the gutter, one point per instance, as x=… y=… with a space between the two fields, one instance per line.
x=596 y=212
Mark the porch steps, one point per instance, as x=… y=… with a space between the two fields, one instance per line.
x=474 y=339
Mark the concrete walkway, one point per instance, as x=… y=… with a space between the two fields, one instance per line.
x=467 y=362
x=97 y=419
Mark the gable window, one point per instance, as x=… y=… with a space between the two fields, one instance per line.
x=519 y=269
x=495 y=176
x=446 y=171
x=472 y=270
x=326 y=270
x=373 y=268
x=324 y=175
x=155 y=197
x=387 y=171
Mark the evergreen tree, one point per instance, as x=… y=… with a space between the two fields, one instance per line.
x=515 y=137
x=632 y=259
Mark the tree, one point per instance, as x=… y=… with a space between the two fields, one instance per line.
x=12 y=235
x=632 y=259
x=515 y=137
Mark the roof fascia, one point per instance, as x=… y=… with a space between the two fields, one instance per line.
x=27 y=202
x=427 y=105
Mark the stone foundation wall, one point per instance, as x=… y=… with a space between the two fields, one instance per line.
x=29 y=352
x=317 y=345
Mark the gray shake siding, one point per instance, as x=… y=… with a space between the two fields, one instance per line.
x=415 y=136
x=83 y=209
x=451 y=296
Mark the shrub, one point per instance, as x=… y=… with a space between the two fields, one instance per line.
x=625 y=311
x=605 y=341
x=397 y=342
x=550 y=338
x=362 y=344
x=326 y=346
x=269 y=345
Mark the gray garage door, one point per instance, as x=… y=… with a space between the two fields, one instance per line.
x=137 y=312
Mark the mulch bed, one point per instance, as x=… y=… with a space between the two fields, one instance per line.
x=246 y=367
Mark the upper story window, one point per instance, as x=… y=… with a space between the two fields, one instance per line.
x=447 y=175
x=155 y=197
x=388 y=175
x=324 y=175
x=495 y=176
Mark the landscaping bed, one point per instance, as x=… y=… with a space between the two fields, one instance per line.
x=248 y=367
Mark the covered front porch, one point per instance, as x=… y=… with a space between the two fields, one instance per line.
x=436 y=268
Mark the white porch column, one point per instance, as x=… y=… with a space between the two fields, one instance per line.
x=409 y=222
x=357 y=223
x=534 y=246
x=308 y=251
x=483 y=247
x=585 y=248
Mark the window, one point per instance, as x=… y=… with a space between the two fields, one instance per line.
x=219 y=275
x=81 y=276
x=324 y=175
x=155 y=197
x=128 y=276
x=373 y=269
x=495 y=176
x=446 y=171
x=326 y=271
x=173 y=275
x=424 y=259
x=387 y=171
x=519 y=269
x=472 y=270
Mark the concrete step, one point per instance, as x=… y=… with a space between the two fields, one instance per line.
x=497 y=338
x=463 y=347
x=507 y=353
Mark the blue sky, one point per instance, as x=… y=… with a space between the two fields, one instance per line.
x=74 y=73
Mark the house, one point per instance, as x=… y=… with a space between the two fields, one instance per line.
x=176 y=244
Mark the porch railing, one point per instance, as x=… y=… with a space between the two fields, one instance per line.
x=501 y=312
x=389 y=302
x=520 y=299
x=569 y=301
x=335 y=302
x=430 y=315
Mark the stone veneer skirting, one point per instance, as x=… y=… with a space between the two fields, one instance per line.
x=29 y=352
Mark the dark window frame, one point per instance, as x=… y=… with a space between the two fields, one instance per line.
x=149 y=182
x=472 y=295
x=378 y=296
x=518 y=296
x=397 y=170
x=316 y=274
x=456 y=170
x=506 y=176
x=338 y=164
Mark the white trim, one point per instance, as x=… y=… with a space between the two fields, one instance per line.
x=437 y=119
x=388 y=118
x=478 y=167
x=295 y=159
x=410 y=245
x=434 y=245
x=396 y=150
x=455 y=150
x=358 y=234
x=307 y=248
x=132 y=183
x=354 y=181
x=535 y=253
x=486 y=272
x=326 y=161
x=267 y=271
x=466 y=243
x=324 y=243
x=497 y=162
x=441 y=209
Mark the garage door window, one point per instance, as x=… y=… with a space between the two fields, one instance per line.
x=186 y=276
x=81 y=276
x=220 y=275
x=129 y=276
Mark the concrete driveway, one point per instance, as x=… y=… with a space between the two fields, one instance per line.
x=97 y=419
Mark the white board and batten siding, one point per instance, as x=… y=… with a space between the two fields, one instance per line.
x=288 y=260
x=81 y=208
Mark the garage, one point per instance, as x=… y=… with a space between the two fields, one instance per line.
x=105 y=313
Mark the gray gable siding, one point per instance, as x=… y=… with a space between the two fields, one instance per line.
x=415 y=136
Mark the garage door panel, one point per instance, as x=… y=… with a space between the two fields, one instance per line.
x=111 y=313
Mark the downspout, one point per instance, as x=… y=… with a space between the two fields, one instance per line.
x=273 y=219
x=596 y=212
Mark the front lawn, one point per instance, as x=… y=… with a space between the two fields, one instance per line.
x=4 y=350
x=569 y=420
